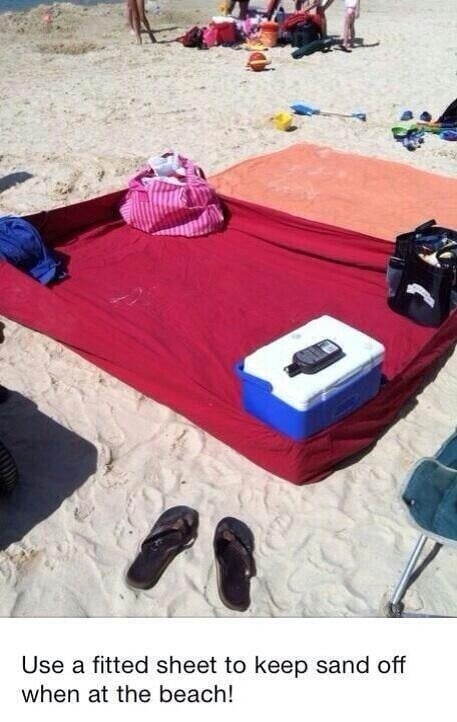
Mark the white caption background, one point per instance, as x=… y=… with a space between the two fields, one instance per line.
x=425 y=691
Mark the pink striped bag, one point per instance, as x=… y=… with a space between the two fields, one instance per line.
x=188 y=208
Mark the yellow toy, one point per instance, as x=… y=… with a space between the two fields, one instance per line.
x=282 y=120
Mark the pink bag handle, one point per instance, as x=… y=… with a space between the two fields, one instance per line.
x=193 y=171
x=135 y=184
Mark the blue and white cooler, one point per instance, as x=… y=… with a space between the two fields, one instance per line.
x=301 y=404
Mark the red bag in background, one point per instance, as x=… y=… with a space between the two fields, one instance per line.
x=219 y=34
x=193 y=38
x=299 y=18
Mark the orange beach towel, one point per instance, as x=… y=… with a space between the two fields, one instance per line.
x=373 y=196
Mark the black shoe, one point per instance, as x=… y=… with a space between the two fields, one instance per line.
x=234 y=552
x=175 y=530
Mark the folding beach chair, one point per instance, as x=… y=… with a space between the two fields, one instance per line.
x=430 y=495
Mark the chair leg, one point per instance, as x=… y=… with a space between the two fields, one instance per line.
x=395 y=605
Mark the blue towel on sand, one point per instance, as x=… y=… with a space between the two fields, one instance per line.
x=21 y=245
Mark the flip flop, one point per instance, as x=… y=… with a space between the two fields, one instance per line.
x=448 y=134
x=174 y=531
x=233 y=549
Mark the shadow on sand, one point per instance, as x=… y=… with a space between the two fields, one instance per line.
x=53 y=462
x=358 y=42
x=404 y=410
x=13 y=179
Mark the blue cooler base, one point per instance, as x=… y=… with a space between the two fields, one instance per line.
x=259 y=401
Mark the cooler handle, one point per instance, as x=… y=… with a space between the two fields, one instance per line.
x=346 y=406
x=241 y=373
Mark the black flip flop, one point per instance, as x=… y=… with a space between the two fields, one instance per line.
x=234 y=549
x=174 y=531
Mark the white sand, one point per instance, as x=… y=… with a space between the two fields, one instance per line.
x=79 y=124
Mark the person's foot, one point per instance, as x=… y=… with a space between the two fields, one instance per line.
x=345 y=48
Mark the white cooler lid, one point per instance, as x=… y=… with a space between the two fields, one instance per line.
x=267 y=363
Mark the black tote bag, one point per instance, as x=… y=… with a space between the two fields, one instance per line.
x=417 y=289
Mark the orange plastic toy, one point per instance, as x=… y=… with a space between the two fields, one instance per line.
x=269 y=34
x=257 y=61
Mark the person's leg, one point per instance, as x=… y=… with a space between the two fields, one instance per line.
x=349 y=18
x=128 y=14
x=352 y=31
x=134 y=19
x=272 y=7
x=244 y=5
x=144 y=19
x=323 y=21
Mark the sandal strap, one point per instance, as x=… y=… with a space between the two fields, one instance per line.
x=244 y=551
x=163 y=531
